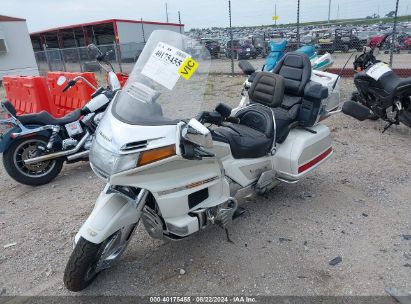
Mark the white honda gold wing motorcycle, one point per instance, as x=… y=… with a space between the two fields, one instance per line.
x=178 y=176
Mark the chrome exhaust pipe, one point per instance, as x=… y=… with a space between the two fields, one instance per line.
x=78 y=155
x=58 y=154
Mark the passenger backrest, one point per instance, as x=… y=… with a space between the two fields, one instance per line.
x=296 y=69
x=267 y=89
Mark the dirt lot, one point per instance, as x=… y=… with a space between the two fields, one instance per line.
x=356 y=206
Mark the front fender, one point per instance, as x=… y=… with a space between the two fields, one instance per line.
x=6 y=139
x=112 y=212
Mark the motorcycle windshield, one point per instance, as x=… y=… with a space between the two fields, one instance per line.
x=167 y=83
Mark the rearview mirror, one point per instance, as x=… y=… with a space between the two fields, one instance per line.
x=94 y=50
x=376 y=51
x=61 y=80
x=198 y=134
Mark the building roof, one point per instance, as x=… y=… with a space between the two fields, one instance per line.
x=103 y=22
x=8 y=18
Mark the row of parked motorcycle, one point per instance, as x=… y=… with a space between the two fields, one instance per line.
x=176 y=168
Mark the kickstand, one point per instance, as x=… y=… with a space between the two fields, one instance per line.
x=228 y=236
x=387 y=126
x=239 y=212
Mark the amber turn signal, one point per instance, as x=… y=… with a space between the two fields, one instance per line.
x=151 y=156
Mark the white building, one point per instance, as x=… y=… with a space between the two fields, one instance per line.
x=16 y=51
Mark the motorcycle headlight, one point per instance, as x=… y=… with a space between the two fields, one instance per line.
x=106 y=163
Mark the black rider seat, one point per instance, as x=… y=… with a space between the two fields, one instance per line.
x=42 y=118
x=396 y=85
x=253 y=137
x=399 y=86
x=245 y=142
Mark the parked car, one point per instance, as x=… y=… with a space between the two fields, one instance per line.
x=365 y=36
x=242 y=49
x=213 y=46
x=384 y=43
x=342 y=39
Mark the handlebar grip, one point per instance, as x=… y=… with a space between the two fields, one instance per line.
x=69 y=85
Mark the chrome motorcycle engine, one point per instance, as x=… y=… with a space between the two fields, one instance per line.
x=152 y=222
x=222 y=215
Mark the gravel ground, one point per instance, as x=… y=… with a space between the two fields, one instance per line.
x=356 y=206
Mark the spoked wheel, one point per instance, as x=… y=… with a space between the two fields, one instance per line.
x=88 y=259
x=35 y=174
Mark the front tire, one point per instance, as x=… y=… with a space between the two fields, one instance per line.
x=33 y=175
x=88 y=259
x=78 y=273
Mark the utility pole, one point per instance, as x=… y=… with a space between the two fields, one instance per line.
x=166 y=12
x=394 y=34
x=179 y=20
x=298 y=24
x=275 y=14
x=329 y=11
x=231 y=39
x=338 y=11
x=142 y=30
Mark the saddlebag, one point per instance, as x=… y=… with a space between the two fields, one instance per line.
x=302 y=152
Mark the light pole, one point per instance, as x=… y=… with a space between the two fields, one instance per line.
x=298 y=24
x=179 y=20
x=394 y=34
x=231 y=39
x=329 y=11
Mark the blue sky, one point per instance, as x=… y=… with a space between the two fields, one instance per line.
x=43 y=14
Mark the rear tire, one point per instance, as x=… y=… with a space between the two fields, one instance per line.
x=32 y=175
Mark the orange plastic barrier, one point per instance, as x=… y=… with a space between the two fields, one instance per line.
x=122 y=78
x=28 y=94
x=73 y=98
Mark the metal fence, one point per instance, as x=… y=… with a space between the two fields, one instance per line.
x=339 y=27
x=121 y=56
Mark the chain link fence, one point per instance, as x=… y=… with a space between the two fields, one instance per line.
x=338 y=27
x=121 y=56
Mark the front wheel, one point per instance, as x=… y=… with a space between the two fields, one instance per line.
x=35 y=174
x=88 y=259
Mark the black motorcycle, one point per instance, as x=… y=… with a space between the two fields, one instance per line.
x=35 y=146
x=380 y=92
